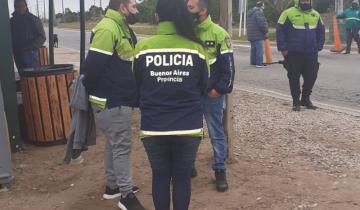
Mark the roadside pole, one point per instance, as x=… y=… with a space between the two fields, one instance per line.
x=226 y=23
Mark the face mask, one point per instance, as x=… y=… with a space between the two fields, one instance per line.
x=354 y=6
x=263 y=7
x=196 y=17
x=131 y=18
x=305 y=7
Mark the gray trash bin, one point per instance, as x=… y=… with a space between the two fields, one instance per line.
x=5 y=160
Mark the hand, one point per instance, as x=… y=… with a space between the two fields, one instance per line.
x=285 y=53
x=213 y=93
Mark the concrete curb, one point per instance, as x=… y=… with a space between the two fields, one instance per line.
x=274 y=94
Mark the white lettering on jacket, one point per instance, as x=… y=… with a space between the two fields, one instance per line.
x=169 y=60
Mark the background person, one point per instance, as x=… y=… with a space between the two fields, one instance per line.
x=257 y=28
x=28 y=36
x=352 y=17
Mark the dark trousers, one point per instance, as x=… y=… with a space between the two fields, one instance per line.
x=305 y=65
x=350 y=34
x=171 y=159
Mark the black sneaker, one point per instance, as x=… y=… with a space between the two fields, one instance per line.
x=220 y=181
x=130 y=202
x=193 y=173
x=115 y=193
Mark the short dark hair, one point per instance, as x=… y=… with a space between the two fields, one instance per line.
x=115 y=4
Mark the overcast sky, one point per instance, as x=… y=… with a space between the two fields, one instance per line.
x=74 y=5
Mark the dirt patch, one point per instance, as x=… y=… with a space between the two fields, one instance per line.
x=283 y=160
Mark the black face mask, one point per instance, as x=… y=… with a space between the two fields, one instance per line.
x=196 y=17
x=131 y=18
x=354 y=6
x=305 y=7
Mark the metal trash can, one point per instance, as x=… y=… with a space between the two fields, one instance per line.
x=45 y=97
x=5 y=158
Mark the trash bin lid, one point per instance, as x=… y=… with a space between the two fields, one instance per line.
x=48 y=70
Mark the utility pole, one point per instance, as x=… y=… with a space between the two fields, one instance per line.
x=37 y=8
x=339 y=6
x=226 y=23
x=44 y=11
x=63 y=11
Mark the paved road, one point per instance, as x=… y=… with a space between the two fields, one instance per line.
x=338 y=81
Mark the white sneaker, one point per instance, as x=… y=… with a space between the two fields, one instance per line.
x=77 y=161
x=260 y=66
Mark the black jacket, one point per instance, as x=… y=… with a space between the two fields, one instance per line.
x=257 y=26
x=27 y=32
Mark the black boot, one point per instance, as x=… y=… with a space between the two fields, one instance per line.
x=193 y=173
x=221 y=183
x=305 y=101
x=296 y=105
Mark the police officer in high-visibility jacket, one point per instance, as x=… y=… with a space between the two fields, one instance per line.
x=222 y=72
x=171 y=71
x=300 y=35
x=112 y=92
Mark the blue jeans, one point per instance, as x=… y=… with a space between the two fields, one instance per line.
x=26 y=59
x=257 y=52
x=214 y=113
x=171 y=159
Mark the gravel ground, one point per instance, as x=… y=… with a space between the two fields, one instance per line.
x=282 y=160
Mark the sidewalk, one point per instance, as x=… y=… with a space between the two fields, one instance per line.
x=283 y=160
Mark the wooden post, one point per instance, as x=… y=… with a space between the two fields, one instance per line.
x=226 y=23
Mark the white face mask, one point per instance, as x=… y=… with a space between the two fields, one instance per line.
x=263 y=7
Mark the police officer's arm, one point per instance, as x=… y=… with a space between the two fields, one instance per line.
x=226 y=66
x=281 y=32
x=204 y=72
x=40 y=36
x=137 y=72
x=320 y=34
x=101 y=49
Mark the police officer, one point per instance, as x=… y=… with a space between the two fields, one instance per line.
x=300 y=35
x=112 y=92
x=171 y=72
x=352 y=16
x=222 y=72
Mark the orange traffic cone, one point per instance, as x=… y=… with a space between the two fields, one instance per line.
x=268 y=53
x=337 y=41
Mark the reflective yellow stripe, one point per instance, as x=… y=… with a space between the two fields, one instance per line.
x=101 y=51
x=226 y=51
x=212 y=61
x=195 y=132
x=100 y=102
x=303 y=27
